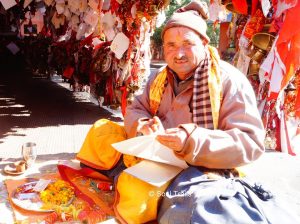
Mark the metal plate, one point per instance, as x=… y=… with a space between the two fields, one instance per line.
x=24 y=197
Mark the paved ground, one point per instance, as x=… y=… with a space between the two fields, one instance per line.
x=44 y=112
x=57 y=120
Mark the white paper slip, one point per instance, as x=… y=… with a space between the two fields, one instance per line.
x=8 y=3
x=147 y=147
x=41 y=185
x=154 y=173
x=119 y=45
x=13 y=48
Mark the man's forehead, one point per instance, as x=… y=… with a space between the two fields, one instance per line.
x=180 y=33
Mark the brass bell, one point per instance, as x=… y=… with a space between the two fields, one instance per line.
x=166 y=3
x=130 y=98
x=253 y=68
x=263 y=41
x=257 y=54
x=230 y=7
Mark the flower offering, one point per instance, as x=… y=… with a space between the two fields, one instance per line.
x=57 y=193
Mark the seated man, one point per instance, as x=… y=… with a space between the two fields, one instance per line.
x=199 y=106
x=206 y=106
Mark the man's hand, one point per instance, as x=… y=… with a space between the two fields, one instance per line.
x=150 y=126
x=173 y=138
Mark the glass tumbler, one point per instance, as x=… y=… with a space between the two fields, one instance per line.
x=29 y=153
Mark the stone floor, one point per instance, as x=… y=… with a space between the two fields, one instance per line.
x=46 y=112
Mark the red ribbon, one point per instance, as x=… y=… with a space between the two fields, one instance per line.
x=124 y=99
x=88 y=40
x=68 y=72
x=241 y=6
x=114 y=6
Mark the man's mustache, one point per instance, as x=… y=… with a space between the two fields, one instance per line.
x=182 y=58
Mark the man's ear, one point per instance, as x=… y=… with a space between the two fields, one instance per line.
x=205 y=43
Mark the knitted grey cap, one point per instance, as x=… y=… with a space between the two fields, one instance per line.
x=193 y=16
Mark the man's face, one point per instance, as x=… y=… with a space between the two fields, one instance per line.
x=183 y=50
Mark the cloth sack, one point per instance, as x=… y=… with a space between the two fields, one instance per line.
x=193 y=198
x=136 y=201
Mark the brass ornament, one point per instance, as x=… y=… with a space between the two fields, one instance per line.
x=130 y=98
x=166 y=3
x=253 y=68
x=263 y=41
x=230 y=7
x=257 y=54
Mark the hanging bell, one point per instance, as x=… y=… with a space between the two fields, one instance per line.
x=263 y=41
x=253 y=68
x=229 y=6
x=257 y=54
x=130 y=98
x=166 y=3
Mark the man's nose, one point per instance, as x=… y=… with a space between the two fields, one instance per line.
x=180 y=52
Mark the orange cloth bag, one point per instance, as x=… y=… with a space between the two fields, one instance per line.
x=96 y=150
x=136 y=201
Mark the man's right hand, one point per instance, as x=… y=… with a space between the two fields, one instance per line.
x=148 y=126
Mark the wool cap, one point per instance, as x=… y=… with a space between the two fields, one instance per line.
x=193 y=16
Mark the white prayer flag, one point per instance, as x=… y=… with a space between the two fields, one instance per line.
x=119 y=45
x=13 y=48
x=8 y=3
